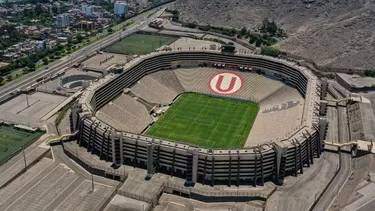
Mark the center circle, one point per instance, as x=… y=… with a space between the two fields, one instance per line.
x=225 y=83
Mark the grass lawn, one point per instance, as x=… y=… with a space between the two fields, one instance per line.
x=206 y=121
x=11 y=140
x=139 y=44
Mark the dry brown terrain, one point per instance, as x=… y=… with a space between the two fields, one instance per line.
x=338 y=33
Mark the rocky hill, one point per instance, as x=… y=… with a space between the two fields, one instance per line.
x=339 y=33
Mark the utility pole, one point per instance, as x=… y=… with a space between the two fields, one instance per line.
x=92 y=179
x=27 y=100
x=6 y=143
x=24 y=157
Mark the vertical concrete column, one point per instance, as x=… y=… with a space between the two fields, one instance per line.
x=122 y=148
x=80 y=134
x=113 y=147
x=256 y=169
x=323 y=108
x=281 y=151
x=322 y=129
x=195 y=166
x=212 y=168
x=93 y=104
x=230 y=169
x=300 y=157
x=91 y=139
x=205 y=168
x=324 y=87
x=150 y=160
x=310 y=141
x=107 y=139
x=238 y=167
x=94 y=137
x=101 y=147
x=74 y=118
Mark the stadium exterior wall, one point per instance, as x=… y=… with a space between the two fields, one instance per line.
x=268 y=162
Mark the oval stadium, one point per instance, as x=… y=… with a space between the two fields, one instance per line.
x=205 y=116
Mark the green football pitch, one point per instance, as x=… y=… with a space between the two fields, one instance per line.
x=206 y=121
x=139 y=44
x=11 y=140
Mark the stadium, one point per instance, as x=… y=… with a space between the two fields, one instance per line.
x=209 y=117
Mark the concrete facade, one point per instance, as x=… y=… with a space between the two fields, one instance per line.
x=251 y=166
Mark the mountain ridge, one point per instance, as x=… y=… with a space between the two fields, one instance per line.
x=338 y=33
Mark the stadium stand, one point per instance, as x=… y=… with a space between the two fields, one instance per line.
x=168 y=79
x=125 y=114
x=255 y=87
x=153 y=91
x=286 y=106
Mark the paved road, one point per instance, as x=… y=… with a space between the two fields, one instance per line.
x=64 y=63
x=61 y=157
x=330 y=194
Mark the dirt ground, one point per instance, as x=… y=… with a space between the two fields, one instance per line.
x=361 y=166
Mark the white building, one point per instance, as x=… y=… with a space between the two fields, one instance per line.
x=62 y=20
x=87 y=9
x=121 y=8
x=39 y=45
x=143 y=3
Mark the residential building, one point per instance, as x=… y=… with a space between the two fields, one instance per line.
x=87 y=9
x=39 y=45
x=121 y=8
x=62 y=20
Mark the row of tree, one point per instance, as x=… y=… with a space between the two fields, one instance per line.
x=29 y=62
x=269 y=31
x=271 y=51
x=10 y=35
x=369 y=73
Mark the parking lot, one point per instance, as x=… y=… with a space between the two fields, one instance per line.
x=34 y=106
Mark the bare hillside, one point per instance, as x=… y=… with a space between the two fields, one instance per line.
x=338 y=33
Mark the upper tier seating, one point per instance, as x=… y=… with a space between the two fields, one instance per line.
x=286 y=106
x=255 y=87
x=153 y=91
x=125 y=114
x=168 y=79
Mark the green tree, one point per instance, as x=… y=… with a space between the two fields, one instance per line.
x=243 y=31
x=370 y=73
x=60 y=47
x=31 y=65
x=252 y=40
x=233 y=31
x=8 y=77
x=110 y=30
x=258 y=43
x=79 y=38
x=271 y=51
x=45 y=61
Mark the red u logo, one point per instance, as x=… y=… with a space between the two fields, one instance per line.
x=225 y=83
x=220 y=81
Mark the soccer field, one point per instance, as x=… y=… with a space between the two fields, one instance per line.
x=11 y=140
x=206 y=121
x=139 y=44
